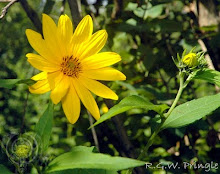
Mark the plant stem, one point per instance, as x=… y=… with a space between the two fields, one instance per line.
x=94 y=135
x=177 y=96
x=151 y=140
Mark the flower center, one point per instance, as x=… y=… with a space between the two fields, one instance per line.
x=71 y=66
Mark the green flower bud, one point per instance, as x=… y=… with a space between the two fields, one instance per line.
x=22 y=151
x=190 y=60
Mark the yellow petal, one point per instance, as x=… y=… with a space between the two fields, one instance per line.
x=94 y=45
x=71 y=105
x=60 y=90
x=106 y=73
x=190 y=60
x=82 y=33
x=40 y=87
x=54 y=79
x=87 y=99
x=40 y=76
x=98 y=88
x=83 y=30
x=51 y=37
x=39 y=45
x=65 y=33
x=41 y=63
x=100 y=60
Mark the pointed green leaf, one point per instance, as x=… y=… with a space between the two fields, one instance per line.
x=128 y=103
x=192 y=111
x=10 y=83
x=44 y=127
x=4 y=170
x=209 y=75
x=83 y=158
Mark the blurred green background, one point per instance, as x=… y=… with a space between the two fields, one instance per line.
x=146 y=33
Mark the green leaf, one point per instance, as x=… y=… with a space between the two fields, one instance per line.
x=131 y=6
x=84 y=158
x=154 y=12
x=10 y=83
x=192 y=111
x=139 y=12
x=209 y=75
x=128 y=103
x=44 y=127
x=4 y=170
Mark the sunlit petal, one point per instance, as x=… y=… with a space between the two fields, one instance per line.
x=94 y=45
x=54 y=79
x=83 y=31
x=40 y=76
x=51 y=36
x=40 y=87
x=65 y=33
x=41 y=63
x=100 y=60
x=107 y=73
x=60 y=90
x=39 y=45
x=82 y=34
x=71 y=105
x=87 y=99
x=98 y=88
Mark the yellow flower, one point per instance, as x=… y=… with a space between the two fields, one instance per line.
x=190 y=60
x=71 y=65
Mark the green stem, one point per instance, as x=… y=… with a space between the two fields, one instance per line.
x=177 y=96
x=151 y=140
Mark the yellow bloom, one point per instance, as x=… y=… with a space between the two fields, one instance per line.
x=71 y=65
x=190 y=60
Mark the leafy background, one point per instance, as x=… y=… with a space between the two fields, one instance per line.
x=146 y=34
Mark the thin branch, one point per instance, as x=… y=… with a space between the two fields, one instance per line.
x=117 y=10
x=94 y=135
x=4 y=10
x=32 y=15
x=75 y=11
x=62 y=7
x=95 y=21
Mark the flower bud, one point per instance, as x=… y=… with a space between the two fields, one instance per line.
x=104 y=109
x=190 y=60
x=22 y=151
